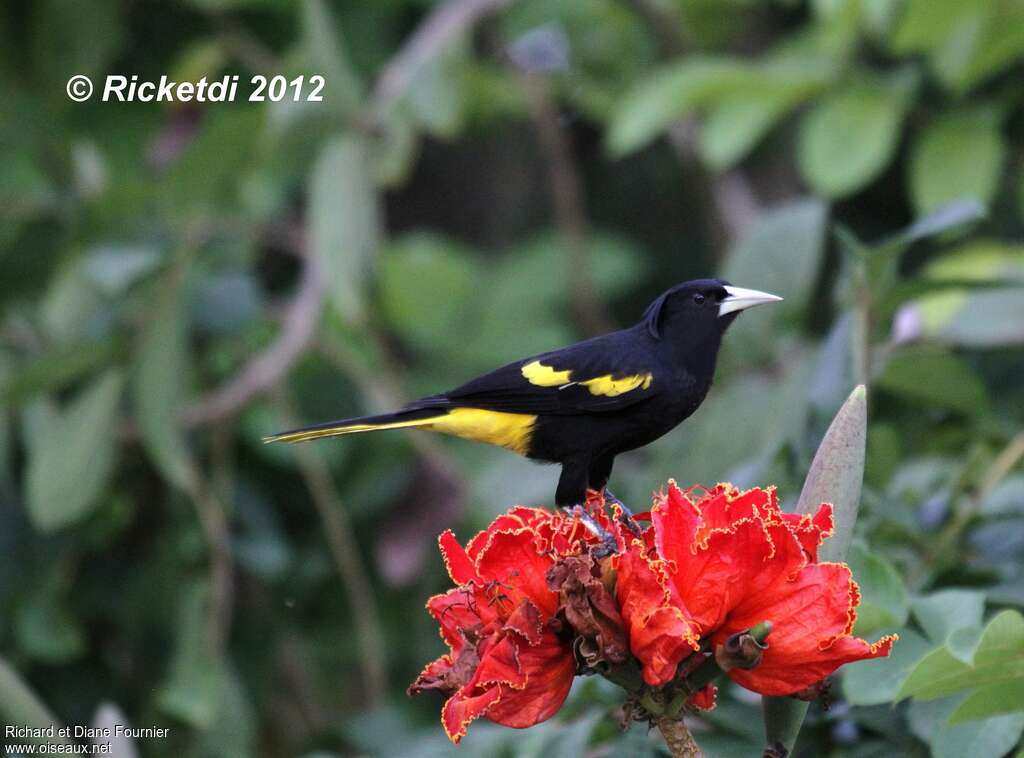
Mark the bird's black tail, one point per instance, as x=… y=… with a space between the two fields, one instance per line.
x=403 y=419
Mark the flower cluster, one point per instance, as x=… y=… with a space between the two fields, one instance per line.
x=537 y=602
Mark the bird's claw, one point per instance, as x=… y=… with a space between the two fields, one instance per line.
x=625 y=514
x=608 y=544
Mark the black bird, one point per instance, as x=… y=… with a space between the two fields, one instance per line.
x=584 y=404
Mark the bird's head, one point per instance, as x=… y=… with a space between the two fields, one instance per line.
x=701 y=306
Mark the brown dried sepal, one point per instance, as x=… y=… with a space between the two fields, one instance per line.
x=740 y=651
x=587 y=611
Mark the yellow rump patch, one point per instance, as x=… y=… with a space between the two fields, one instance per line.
x=507 y=430
x=538 y=374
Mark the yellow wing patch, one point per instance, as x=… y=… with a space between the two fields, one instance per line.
x=538 y=374
x=606 y=385
x=508 y=430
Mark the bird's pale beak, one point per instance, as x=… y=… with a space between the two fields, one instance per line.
x=739 y=299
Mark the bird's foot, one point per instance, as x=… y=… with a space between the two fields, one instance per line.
x=608 y=544
x=625 y=514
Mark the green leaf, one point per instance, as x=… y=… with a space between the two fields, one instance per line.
x=963 y=643
x=194 y=687
x=781 y=254
x=960 y=155
x=69 y=468
x=421 y=263
x=942 y=612
x=435 y=97
x=985 y=262
x=954 y=214
x=849 y=137
x=998 y=659
x=55 y=370
x=47 y=630
x=20 y=705
x=327 y=57
x=345 y=222
x=884 y=602
x=935 y=377
x=992 y=700
x=700 y=83
x=159 y=384
x=666 y=96
x=878 y=680
x=991 y=738
x=736 y=125
x=966 y=318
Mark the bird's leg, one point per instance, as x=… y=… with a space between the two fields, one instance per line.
x=625 y=514
x=608 y=543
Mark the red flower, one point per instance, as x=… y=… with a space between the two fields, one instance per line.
x=506 y=662
x=712 y=566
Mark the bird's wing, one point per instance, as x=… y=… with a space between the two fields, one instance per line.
x=597 y=376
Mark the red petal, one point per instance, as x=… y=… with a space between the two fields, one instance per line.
x=703 y=699
x=461 y=708
x=456 y=560
x=527 y=621
x=675 y=520
x=786 y=674
x=712 y=580
x=549 y=669
x=433 y=675
x=511 y=558
x=812 y=616
x=724 y=506
x=660 y=633
x=455 y=610
x=811 y=530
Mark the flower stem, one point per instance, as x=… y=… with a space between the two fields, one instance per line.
x=678 y=738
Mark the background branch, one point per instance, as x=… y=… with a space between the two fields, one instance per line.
x=346 y=553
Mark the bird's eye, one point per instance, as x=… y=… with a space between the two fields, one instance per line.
x=698 y=299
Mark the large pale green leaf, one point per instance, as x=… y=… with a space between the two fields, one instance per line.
x=999 y=658
x=345 y=222
x=159 y=389
x=945 y=611
x=960 y=155
x=849 y=137
x=69 y=467
x=935 y=378
x=878 y=680
x=991 y=700
x=884 y=602
x=990 y=738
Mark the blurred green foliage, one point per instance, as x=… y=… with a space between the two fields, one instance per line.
x=180 y=279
